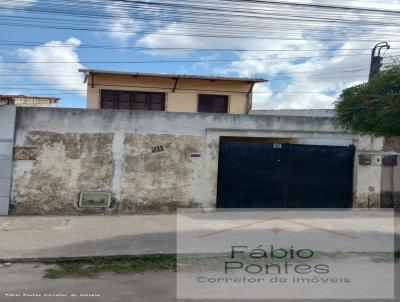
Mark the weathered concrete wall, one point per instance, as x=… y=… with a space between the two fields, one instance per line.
x=163 y=180
x=7 y=126
x=67 y=163
x=390 y=178
x=152 y=161
x=367 y=178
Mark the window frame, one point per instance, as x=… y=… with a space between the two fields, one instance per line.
x=226 y=99
x=149 y=103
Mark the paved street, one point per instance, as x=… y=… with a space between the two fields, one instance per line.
x=27 y=279
x=52 y=237
x=142 y=287
x=34 y=237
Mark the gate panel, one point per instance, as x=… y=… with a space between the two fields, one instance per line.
x=252 y=175
x=320 y=176
x=266 y=175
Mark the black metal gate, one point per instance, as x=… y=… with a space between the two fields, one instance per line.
x=267 y=175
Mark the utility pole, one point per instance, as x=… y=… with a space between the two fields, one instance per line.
x=376 y=59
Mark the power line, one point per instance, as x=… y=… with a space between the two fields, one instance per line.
x=77 y=91
x=270 y=79
x=201 y=19
x=314 y=75
x=66 y=45
x=210 y=35
x=188 y=12
x=189 y=5
x=219 y=13
x=322 y=6
x=180 y=61
x=181 y=90
x=184 y=30
x=225 y=73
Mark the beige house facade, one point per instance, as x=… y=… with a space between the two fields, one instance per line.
x=170 y=93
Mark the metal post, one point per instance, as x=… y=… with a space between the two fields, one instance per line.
x=376 y=59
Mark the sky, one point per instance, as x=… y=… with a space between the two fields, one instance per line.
x=307 y=66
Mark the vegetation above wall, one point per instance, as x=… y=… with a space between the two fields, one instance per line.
x=373 y=107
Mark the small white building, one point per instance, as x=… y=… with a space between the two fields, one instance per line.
x=28 y=101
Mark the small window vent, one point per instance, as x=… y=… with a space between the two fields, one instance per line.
x=94 y=200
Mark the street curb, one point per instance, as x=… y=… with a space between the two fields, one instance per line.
x=79 y=258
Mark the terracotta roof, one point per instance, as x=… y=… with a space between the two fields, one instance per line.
x=175 y=76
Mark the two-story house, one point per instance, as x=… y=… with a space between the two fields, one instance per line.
x=167 y=92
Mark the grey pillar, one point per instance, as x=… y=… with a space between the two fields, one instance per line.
x=7 y=127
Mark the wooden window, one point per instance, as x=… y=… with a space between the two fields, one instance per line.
x=108 y=98
x=132 y=100
x=213 y=103
x=124 y=100
x=140 y=102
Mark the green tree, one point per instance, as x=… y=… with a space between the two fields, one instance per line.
x=373 y=107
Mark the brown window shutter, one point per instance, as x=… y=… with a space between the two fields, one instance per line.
x=108 y=99
x=220 y=104
x=124 y=100
x=156 y=101
x=139 y=101
x=133 y=100
x=213 y=103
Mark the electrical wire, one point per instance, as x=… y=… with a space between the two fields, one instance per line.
x=183 y=61
x=222 y=19
x=47 y=44
x=213 y=10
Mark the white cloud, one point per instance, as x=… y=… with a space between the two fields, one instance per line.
x=387 y=4
x=313 y=83
x=122 y=26
x=324 y=77
x=182 y=70
x=61 y=75
x=16 y=4
x=171 y=37
x=207 y=62
x=12 y=92
x=309 y=83
x=9 y=77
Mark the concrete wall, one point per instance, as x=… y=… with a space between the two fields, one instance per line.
x=390 y=177
x=7 y=126
x=296 y=112
x=183 y=99
x=153 y=161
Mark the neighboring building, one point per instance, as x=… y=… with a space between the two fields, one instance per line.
x=166 y=92
x=30 y=101
x=296 y=112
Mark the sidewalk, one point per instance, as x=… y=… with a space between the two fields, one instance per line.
x=48 y=237
x=37 y=237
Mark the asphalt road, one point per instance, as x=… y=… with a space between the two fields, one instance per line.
x=36 y=237
x=25 y=279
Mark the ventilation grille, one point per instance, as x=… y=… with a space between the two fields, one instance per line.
x=94 y=199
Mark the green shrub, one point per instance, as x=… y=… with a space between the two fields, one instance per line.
x=373 y=107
